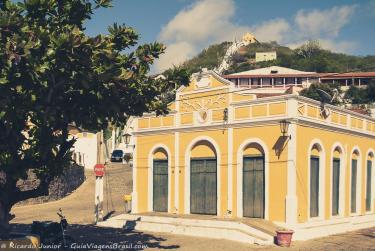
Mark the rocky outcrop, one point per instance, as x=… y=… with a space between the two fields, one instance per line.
x=61 y=186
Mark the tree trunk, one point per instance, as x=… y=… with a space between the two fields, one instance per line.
x=4 y=219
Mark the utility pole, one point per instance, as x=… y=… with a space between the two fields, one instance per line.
x=99 y=170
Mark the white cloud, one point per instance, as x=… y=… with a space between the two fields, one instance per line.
x=195 y=27
x=338 y=46
x=211 y=21
x=273 y=30
x=199 y=21
x=176 y=53
x=327 y=23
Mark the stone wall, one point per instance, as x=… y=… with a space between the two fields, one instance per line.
x=61 y=186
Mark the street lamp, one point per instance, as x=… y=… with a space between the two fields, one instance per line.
x=284 y=127
x=127 y=138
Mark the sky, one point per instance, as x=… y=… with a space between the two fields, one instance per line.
x=188 y=26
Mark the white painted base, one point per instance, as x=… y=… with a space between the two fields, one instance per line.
x=229 y=230
x=134 y=202
x=324 y=228
x=291 y=210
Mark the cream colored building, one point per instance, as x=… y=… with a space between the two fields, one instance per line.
x=265 y=56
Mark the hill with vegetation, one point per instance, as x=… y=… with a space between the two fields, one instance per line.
x=309 y=57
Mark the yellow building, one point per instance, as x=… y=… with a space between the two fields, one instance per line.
x=223 y=151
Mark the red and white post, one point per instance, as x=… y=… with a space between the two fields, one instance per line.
x=99 y=170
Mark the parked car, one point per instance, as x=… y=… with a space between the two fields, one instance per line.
x=117 y=156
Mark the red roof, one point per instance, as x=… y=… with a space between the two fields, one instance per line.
x=275 y=75
x=359 y=110
x=348 y=75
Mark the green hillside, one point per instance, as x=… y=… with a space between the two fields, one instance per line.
x=309 y=57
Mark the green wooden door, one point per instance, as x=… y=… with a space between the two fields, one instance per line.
x=314 y=187
x=203 y=180
x=160 y=186
x=368 y=185
x=253 y=186
x=335 y=186
x=353 y=191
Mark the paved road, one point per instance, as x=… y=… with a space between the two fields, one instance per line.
x=107 y=239
x=79 y=206
x=354 y=241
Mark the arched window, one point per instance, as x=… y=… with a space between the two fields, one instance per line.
x=369 y=171
x=354 y=196
x=315 y=182
x=253 y=179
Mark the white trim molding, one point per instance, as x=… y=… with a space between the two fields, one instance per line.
x=239 y=193
x=291 y=200
x=176 y=171
x=230 y=170
x=150 y=176
x=134 y=209
x=190 y=147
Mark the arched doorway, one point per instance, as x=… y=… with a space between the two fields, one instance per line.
x=315 y=181
x=369 y=173
x=354 y=182
x=336 y=180
x=160 y=181
x=203 y=179
x=253 y=181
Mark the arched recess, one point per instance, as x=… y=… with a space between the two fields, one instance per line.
x=355 y=170
x=369 y=197
x=316 y=180
x=202 y=177
x=337 y=174
x=253 y=166
x=159 y=179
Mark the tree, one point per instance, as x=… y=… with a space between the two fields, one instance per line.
x=370 y=91
x=309 y=49
x=53 y=75
x=356 y=95
x=312 y=93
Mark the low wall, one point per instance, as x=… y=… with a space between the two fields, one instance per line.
x=61 y=186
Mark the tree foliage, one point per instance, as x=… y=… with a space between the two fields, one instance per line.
x=364 y=95
x=309 y=49
x=312 y=93
x=53 y=75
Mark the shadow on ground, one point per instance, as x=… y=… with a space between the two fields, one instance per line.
x=90 y=237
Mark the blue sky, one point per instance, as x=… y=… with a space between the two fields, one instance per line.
x=188 y=26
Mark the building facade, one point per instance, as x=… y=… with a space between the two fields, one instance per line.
x=277 y=77
x=265 y=56
x=223 y=151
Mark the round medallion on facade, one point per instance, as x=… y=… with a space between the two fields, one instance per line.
x=203 y=115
